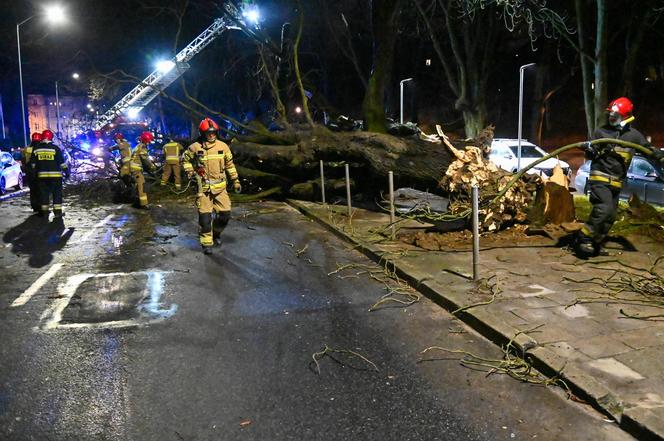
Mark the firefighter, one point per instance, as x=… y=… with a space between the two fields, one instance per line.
x=140 y=157
x=212 y=160
x=172 y=151
x=608 y=171
x=49 y=168
x=29 y=171
x=122 y=146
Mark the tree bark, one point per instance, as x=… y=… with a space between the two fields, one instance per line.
x=384 y=15
x=601 y=63
x=586 y=76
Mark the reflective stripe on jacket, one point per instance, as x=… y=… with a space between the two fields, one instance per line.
x=216 y=159
x=172 y=152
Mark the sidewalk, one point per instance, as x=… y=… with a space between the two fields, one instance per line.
x=614 y=362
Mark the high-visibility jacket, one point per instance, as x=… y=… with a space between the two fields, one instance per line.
x=216 y=159
x=172 y=151
x=140 y=156
x=125 y=155
x=48 y=160
x=26 y=155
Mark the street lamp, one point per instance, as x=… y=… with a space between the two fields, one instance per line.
x=55 y=14
x=518 y=152
x=401 y=83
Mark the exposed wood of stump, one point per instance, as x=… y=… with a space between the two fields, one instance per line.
x=554 y=203
x=471 y=168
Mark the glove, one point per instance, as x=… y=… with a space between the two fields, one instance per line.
x=658 y=154
x=237 y=186
x=590 y=150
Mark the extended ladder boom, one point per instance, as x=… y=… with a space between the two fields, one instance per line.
x=141 y=95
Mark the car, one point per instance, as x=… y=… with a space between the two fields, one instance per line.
x=645 y=179
x=504 y=154
x=10 y=173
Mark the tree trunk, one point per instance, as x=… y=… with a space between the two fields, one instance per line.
x=383 y=17
x=601 y=63
x=586 y=77
x=474 y=120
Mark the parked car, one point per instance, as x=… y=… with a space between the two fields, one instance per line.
x=645 y=179
x=504 y=154
x=10 y=173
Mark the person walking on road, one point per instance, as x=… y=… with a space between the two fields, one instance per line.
x=140 y=158
x=49 y=168
x=608 y=171
x=212 y=160
x=29 y=171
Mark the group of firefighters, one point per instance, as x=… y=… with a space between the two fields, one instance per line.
x=210 y=160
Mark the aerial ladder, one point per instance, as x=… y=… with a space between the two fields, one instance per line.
x=168 y=71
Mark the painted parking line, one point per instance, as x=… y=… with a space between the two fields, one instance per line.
x=151 y=308
x=37 y=285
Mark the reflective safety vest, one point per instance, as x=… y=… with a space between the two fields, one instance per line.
x=125 y=155
x=172 y=152
x=138 y=156
x=216 y=159
x=48 y=160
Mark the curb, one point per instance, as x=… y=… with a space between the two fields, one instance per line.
x=633 y=421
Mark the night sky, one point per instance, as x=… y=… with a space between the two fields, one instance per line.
x=131 y=35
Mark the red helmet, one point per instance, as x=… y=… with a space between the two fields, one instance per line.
x=118 y=136
x=146 y=137
x=47 y=135
x=208 y=126
x=36 y=137
x=619 y=110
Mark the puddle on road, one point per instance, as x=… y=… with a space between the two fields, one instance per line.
x=110 y=300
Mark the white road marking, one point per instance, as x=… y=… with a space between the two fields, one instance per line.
x=99 y=224
x=51 y=318
x=36 y=286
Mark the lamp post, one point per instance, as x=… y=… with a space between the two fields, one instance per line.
x=401 y=83
x=58 y=124
x=55 y=14
x=518 y=154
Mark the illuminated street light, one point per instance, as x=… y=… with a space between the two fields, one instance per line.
x=298 y=109
x=75 y=76
x=54 y=14
x=252 y=14
x=165 y=66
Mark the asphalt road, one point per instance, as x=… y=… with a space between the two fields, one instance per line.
x=114 y=326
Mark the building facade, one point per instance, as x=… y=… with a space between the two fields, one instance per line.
x=75 y=116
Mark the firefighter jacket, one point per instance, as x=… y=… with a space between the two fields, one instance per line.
x=48 y=160
x=172 y=151
x=215 y=159
x=125 y=155
x=26 y=155
x=140 y=157
x=612 y=160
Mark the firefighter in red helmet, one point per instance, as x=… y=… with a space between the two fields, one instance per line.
x=122 y=146
x=212 y=160
x=49 y=168
x=29 y=171
x=138 y=159
x=608 y=171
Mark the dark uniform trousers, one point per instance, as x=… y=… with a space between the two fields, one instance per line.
x=50 y=187
x=604 y=198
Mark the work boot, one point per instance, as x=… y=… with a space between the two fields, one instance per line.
x=58 y=213
x=143 y=207
x=208 y=251
x=584 y=247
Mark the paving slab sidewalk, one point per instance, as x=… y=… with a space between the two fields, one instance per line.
x=614 y=362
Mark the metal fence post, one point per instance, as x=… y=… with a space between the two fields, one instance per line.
x=476 y=233
x=350 y=208
x=322 y=182
x=392 y=216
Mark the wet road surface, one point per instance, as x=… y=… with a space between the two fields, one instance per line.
x=114 y=326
